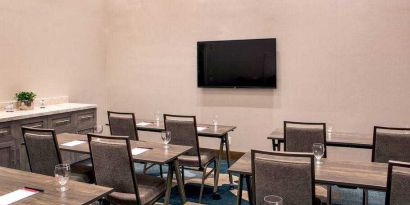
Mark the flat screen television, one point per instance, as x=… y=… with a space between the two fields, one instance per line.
x=237 y=63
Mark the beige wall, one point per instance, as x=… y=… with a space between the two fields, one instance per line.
x=53 y=48
x=343 y=62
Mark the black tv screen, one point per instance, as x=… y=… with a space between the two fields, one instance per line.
x=237 y=63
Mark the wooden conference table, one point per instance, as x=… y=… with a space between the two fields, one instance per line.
x=338 y=139
x=220 y=132
x=157 y=155
x=78 y=193
x=366 y=175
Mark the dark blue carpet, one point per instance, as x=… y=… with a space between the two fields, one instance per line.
x=341 y=196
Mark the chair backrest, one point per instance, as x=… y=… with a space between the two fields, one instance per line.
x=398 y=183
x=183 y=132
x=300 y=136
x=42 y=150
x=123 y=124
x=112 y=163
x=288 y=175
x=391 y=144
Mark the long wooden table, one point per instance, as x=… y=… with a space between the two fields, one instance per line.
x=338 y=139
x=220 y=132
x=78 y=193
x=366 y=175
x=157 y=155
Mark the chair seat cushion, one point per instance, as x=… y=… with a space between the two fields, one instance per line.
x=192 y=160
x=83 y=170
x=150 y=189
x=82 y=167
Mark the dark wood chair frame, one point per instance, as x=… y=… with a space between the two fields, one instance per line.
x=132 y=115
x=200 y=168
x=389 y=176
x=40 y=130
x=376 y=128
x=127 y=141
x=285 y=123
x=293 y=154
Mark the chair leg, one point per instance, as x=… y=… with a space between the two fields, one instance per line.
x=160 y=171
x=183 y=174
x=202 y=184
x=145 y=168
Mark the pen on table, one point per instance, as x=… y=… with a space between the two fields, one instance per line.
x=36 y=189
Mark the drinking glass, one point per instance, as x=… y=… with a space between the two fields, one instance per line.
x=9 y=107
x=215 y=120
x=42 y=103
x=272 y=200
x=318 y=151
x=166 y=137
x=157 y=116
x=62 y=175
x=98 y=129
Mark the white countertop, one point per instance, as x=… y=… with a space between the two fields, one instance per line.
x=49 y=110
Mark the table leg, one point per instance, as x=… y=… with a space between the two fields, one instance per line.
x=218 y=169
x=179 y=181
x=228 y=158
x=169 y=184
x=249 y=187
x=240 y=189
x=365 y=196
x=329 y=194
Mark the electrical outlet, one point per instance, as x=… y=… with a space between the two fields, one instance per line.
x=229 y=140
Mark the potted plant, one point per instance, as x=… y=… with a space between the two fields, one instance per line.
x=25 y=100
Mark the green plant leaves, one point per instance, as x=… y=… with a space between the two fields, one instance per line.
x=25 y=96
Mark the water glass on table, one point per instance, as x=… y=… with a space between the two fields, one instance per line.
x=62 y=175
x=166 y=138
x=272 y=200
x=98 y=129
x=318 y=152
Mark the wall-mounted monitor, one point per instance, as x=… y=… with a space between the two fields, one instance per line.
x=237 y=63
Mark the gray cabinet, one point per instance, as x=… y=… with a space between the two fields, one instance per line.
x=13 y=153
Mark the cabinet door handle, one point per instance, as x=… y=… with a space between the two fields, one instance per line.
x=61 y=122
x=2 y=132
x=86 y=117
x=37 y=126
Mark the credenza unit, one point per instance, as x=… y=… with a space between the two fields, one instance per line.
x=68 y=117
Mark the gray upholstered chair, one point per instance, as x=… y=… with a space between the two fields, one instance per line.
x=43 y=154
x=114 y=167
x=124 y=124
x=391 y=144
x=184 y=132
x=398 y=183
x=300 y=136
x=288 y=175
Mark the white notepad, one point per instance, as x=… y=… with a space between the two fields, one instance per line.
x=201 y=128
x=73 y=143
x=143 y=123
x=16 y=196
x=137 y=151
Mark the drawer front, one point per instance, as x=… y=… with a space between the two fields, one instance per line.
x=86 y=119
x=8 y=154
x=5 y=133
x=85 y=131
x=36 y=124
x=62 y=123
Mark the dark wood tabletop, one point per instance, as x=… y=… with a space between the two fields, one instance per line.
x=78 y=193
x=343 y=139
x=157 y=153
x=210 y=131
x=368 y=175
